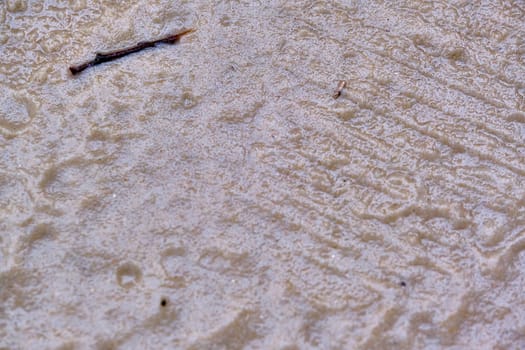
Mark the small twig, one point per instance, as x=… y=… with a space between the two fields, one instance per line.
x=339 y=90
x=102 y=57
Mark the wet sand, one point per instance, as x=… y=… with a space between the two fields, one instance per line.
x=214 y=195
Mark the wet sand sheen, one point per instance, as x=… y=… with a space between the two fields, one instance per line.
x=215 y=195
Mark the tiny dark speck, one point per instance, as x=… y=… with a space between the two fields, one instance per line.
x=403 y=284
x=163 y=302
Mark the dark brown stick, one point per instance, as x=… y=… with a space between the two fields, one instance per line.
x=102 y=57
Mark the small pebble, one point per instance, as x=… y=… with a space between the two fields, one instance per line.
x=339 y=90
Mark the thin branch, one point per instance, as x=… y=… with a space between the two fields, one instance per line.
x=102 y=57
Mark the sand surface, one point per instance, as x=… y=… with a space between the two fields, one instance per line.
x=214 y=195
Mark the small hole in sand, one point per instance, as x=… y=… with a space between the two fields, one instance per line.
x=129 y=275
x=163 y=302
